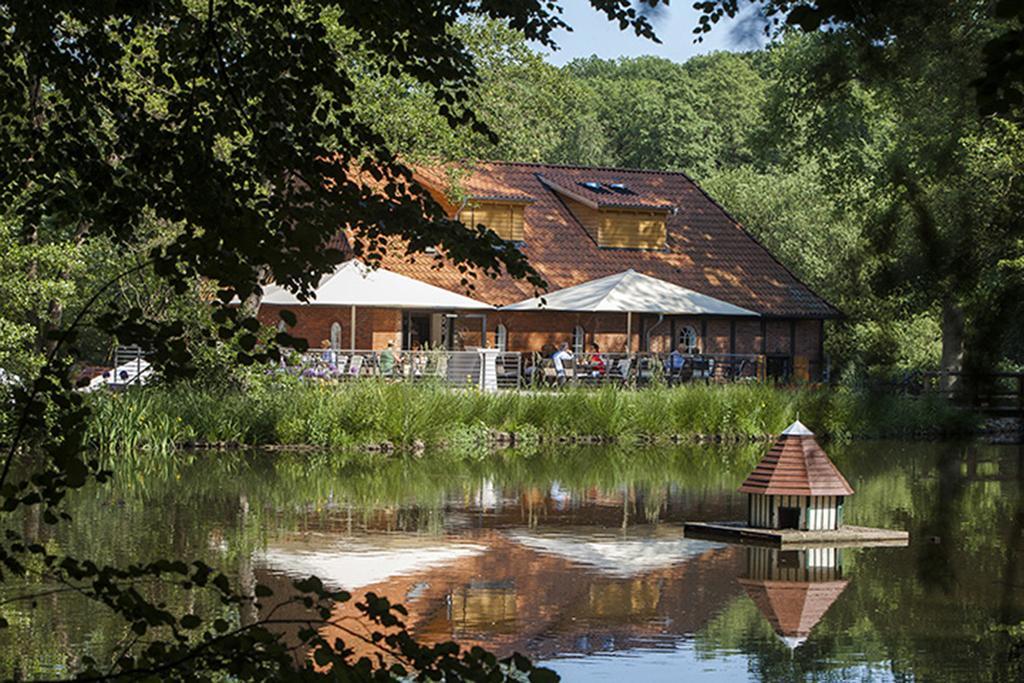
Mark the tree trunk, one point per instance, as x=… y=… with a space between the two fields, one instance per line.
x=251 y=304
x=952 y=346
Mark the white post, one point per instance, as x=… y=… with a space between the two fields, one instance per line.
x=352 y=330
x=488 y=369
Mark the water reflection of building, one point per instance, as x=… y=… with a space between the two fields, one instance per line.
x=793 y=589
x=540 y=593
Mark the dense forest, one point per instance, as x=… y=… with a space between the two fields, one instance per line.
x=870 y=173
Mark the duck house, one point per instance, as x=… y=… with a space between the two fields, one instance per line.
x=796 y=486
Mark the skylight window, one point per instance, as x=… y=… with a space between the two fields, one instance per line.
x=620 y=188
x=591 y=185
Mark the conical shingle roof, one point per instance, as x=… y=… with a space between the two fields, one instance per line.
x=796 y=466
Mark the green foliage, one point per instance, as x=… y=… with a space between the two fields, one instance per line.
x=282 y=410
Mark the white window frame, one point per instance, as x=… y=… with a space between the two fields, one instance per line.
x=501 y=337
x=579 y=340
x=689 y=338
x=335 y=335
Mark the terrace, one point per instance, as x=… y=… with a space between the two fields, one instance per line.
x=490 y=369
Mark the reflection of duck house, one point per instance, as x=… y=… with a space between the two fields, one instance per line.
x=794 y=589
x=795 y=495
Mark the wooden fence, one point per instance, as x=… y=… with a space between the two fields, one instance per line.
x=994 y=393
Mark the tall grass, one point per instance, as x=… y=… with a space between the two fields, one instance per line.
x=284 y=411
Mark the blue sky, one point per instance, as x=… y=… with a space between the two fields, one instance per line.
x=594 y=34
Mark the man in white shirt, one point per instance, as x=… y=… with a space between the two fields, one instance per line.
x=561 y=356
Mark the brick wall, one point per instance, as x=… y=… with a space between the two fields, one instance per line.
x=777 y=333
x=374 y=326
x=807 y=342
x=717 y=338
x=748 y=336
x=531 y=331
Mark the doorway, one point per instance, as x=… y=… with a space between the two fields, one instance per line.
x=789 y=518
x=416 y=331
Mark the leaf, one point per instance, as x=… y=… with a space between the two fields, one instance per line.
x=542 y=675
x=288 y=317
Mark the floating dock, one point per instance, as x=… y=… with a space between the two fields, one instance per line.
x=795 y=539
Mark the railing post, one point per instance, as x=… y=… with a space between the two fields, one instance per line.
x=488 y=369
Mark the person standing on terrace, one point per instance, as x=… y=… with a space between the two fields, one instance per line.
x=388 y=359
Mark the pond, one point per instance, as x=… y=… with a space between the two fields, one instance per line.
x=576 y=557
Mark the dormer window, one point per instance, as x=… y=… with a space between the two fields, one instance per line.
x=504 y=218
x=614 y=214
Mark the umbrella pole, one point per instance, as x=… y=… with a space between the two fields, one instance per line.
x=629 y=333
x=352 y=330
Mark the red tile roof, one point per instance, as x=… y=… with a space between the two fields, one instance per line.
x=707 y=250
x=796 y=466
x=601 y=195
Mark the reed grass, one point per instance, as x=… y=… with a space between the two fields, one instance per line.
x=282 y=411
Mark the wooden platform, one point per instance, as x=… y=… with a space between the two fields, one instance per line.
x=847 y=536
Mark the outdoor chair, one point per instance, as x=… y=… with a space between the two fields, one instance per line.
x=683 y=373
x=341 y=366
x=507 y=370
x=736 y=370
x=419 y=365
x=703 y=368
x=568 y=372
x=547 y=369
x=621 y=370
x=356 y=366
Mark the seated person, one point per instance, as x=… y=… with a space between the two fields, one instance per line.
x=559 y=359
x=329 y=355
x=534 y=370
x=597 y=366
x=676 y=365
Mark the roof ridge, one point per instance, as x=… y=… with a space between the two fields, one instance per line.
x=619 y=277
x=580 y=167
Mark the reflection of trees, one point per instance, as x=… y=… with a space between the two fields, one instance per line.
x=935 y=615
x=1013 y=650
x=221 y=508
x=935 y=568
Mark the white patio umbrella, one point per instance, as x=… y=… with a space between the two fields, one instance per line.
x=630 y=292
x=355 y=284
x=353 y=564
x=616 y=556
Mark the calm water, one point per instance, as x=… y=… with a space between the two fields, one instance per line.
x=576 y=558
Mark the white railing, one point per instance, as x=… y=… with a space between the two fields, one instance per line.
x=489 y=368
x=642 y=368
x=486 y=369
